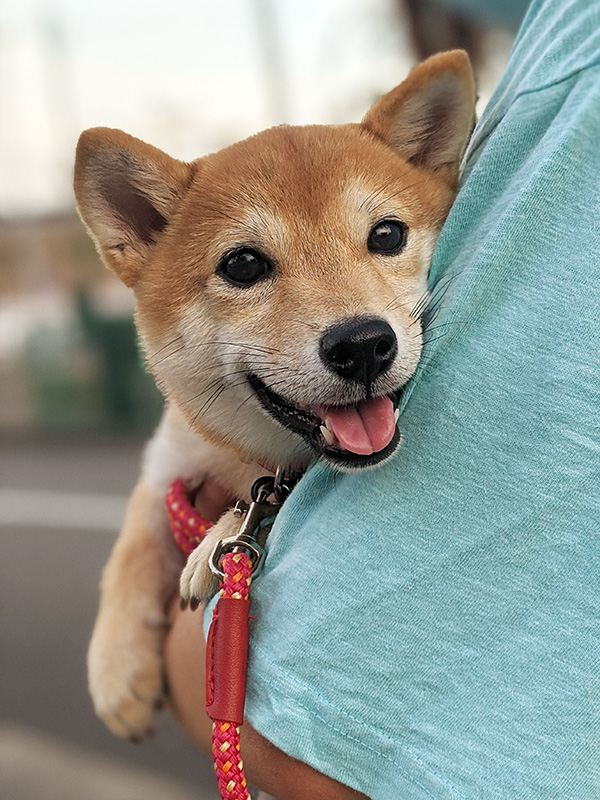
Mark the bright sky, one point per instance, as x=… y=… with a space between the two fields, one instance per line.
x=186 y=75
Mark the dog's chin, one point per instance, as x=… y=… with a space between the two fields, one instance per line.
x=305 y=423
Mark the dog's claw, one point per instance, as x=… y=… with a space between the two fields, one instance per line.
x=194 y=603
x=183 y=603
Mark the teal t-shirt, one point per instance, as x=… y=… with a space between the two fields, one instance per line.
x=431 y=629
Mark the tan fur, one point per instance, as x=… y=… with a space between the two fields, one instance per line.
x=125 y=679
x=307 y=198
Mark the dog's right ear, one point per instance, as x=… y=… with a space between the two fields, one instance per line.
x=428 y=119
x=126 y=191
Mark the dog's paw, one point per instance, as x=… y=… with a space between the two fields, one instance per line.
x=125 y=676
x=197 y=583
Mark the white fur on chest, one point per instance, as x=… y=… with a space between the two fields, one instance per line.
x=175 y=451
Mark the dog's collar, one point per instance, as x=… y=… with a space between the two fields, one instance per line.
x=187 y=526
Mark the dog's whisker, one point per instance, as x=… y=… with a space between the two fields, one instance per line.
x=242 y=345
x=211 y=400
x=168 y=344
x=218 y=342
x=309 y=325
x=255 y=347
x=151 y=362
x=189 y=401
x=446 y=324
x=243 y=403
x=215 y=382
x=267 y=372
x=396 y=303
x=220 y=388
x=221 y=379
x=429 y=342
x=420 y=305
x=429 y=316
x=438 y=293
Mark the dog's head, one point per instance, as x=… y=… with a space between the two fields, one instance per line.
x=277 y=282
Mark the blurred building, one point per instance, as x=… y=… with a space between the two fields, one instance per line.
x=68 y=353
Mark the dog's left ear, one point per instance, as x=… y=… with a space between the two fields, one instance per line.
x=428 y=119
x=127 y=192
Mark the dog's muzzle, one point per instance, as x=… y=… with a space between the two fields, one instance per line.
x=359 y=434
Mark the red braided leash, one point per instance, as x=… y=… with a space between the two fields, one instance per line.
x=187 y=526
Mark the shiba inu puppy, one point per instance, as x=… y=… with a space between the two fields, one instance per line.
x=278 y=288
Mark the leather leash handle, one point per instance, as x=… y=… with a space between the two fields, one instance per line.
x=226 y=662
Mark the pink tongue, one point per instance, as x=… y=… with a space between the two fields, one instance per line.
x=363 y=429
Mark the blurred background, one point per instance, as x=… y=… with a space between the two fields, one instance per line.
x=189 y=76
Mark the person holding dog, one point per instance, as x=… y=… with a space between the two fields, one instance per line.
x=432 y=630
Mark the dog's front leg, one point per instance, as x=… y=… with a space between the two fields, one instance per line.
x=125 y=654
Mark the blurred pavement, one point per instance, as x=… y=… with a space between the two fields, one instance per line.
x=60 y=507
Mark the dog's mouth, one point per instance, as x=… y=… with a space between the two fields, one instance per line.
x=350 y=436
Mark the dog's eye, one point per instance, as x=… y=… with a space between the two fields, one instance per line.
x=244 y=267
x=387 y=237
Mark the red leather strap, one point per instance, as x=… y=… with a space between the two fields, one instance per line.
x=227 y=659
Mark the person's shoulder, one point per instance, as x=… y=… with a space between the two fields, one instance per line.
x=558 y=43
x=557 y=39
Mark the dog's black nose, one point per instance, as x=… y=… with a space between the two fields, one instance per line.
x=359 y=349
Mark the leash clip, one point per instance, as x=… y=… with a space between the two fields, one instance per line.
x=254 y=514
